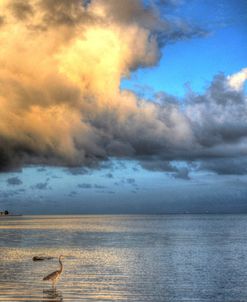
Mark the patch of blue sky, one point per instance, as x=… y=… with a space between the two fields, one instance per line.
x=192 y=62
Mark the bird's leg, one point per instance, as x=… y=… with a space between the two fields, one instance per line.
x=53 y=285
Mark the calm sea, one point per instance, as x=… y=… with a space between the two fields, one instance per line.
x=125 y=258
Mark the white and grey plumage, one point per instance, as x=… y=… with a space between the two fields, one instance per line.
x=55 y=275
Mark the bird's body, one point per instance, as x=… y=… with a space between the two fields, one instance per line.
x=55 y=275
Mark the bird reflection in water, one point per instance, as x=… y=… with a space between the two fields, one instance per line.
x=52 y=295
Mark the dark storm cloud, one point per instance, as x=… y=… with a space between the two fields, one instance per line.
x=10 y=160
x=226 y=166
x=14 y=181
x=156 y=164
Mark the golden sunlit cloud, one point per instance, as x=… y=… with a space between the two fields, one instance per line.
x=61 y=67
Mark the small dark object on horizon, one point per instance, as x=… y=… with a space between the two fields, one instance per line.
x=4 y=213
x=41 y=258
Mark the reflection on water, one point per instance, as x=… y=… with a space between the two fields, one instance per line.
x=125 y=258
x=52 y=295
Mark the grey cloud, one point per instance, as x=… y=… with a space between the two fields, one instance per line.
x=10 y=159
x=109 y=175
x=211 y=125
x=179 y=30
x=182 y=173
x=56 y=177
x=84 y=186
x=130 y=181
x=41 y=170
x=41 y=186
x=169 y=2
x=118 y=148
x=11 y=193
x=111 y=192
x=226 y=166
x=72 y=193
x=99 y=186
x=8 y=194
x=156 y=164
x=218 y=116
x=77 y=170
x=14 y=181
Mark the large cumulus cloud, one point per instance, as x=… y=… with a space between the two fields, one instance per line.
x=61 y=103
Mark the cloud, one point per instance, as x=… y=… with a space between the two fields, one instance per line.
x=156 y=164
x=41 y=169
x=131 y=181
x=99 y=186
x=61 y=103
x=182 y=173
x=72 y=193
x=14 y=181
x=218 y=119
x=84 y=186
x=109 y=175
x=41 y=186
x=77 y=170
x=223 y=166
x=21 y=9
x=237 y=80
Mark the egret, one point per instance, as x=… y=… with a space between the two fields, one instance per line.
x=55 y=275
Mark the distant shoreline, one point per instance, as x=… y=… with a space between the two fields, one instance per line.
x=131 y=214
x=11 y=215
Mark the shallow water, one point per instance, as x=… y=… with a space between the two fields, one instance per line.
x=125 y=258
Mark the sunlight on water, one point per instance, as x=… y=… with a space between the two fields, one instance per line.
x=125 y=258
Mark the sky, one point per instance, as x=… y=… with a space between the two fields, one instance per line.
x=123 y=107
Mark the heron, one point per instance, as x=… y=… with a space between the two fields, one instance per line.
x=55 y=275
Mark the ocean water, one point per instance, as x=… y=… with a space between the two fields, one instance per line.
x=125 y=258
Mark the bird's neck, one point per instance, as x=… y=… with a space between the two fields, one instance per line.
x=61 y=265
